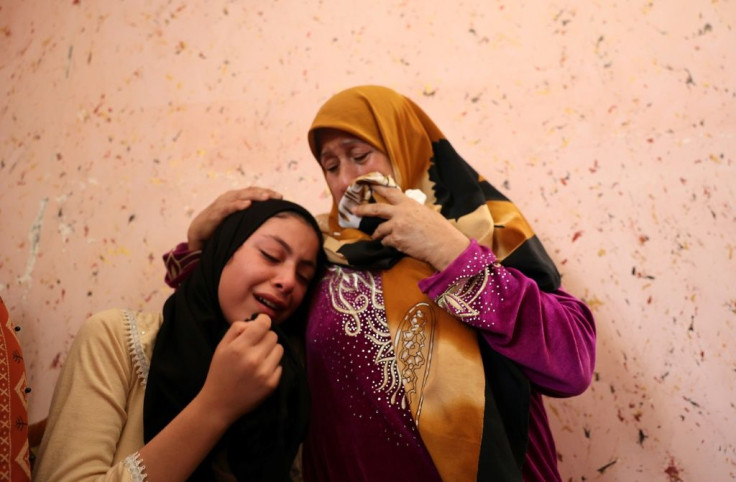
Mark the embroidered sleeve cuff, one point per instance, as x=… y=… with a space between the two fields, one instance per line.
x=179 y=264
x=472 y=288
x=135 y=467
x=472 y=261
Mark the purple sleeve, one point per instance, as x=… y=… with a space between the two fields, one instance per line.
x=551 y=336
x=179 y=263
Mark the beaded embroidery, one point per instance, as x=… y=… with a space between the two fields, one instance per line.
x=472 y=297
x=347 y=293
x=459 y=297
x=356 y=295
x=414 y=349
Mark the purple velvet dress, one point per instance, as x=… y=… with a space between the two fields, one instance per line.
x=361 y=430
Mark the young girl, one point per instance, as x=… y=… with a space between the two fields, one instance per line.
x=196 y=391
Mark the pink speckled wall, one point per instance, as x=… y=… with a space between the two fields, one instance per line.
x=611 y=124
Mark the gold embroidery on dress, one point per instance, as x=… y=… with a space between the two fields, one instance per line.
x=413 y=346
x=460 y=296
x=345 y=284
x=352 y=294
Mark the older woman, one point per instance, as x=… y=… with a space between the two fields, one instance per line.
x=440 y=323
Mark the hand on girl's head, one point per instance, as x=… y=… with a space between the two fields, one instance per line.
x=205 y=223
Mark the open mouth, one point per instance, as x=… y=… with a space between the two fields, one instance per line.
x=268 y=303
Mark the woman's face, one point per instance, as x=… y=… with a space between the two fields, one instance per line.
x=343 y=157
x=271 y=271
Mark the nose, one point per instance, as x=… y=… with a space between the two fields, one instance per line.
x=348 y=174
x=285 y=280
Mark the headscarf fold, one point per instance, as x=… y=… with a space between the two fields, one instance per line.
x=262 y=444
x=446 y=388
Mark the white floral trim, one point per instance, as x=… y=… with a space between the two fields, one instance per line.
x=135 y=466
x=140 y=361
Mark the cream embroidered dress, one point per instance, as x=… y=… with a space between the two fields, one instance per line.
x=95 y=424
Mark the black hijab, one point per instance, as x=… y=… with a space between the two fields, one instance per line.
x=262 y=444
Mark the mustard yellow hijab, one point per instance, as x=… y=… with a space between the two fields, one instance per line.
x=423 y=159
x=443 y=375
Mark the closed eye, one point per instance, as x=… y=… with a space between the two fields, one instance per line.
x=329 y=165
x=305 y=273
x=269 y=257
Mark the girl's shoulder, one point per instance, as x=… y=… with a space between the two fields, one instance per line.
x=118 y=323
x=132 y=332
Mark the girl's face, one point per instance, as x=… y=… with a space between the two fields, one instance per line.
x=271 y=271
x=343 y=157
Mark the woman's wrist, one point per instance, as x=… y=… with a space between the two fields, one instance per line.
x=449 y=251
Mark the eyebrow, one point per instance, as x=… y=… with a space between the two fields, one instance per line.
x=287 y=247
x=350 y=140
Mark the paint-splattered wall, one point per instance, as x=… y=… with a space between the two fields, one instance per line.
x=611 y=124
